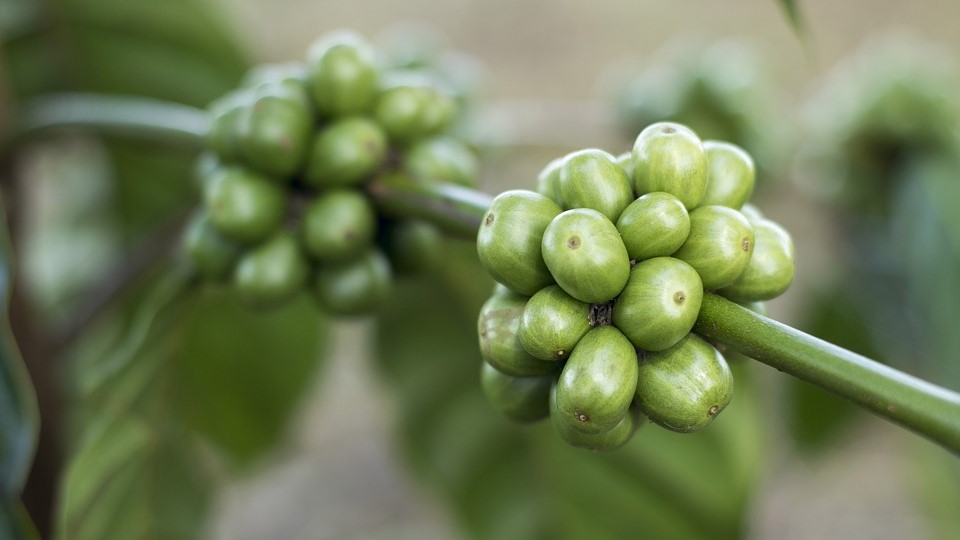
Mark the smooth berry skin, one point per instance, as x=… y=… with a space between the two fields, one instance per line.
x=273 y=272
x=497 y=328
x=355 y=287
x=342 y=75
x=244 y=206
x=346 y=153
x=604 y=441
x=213 y=254
x=654 y=225
x=731 y=177
x=584 y=253
x=719 y=246
x=593 y=179
x=338 y=225
x=670 y=157
x=771 y=268
x=553 y=323
x=520 y=399
x=442 y=160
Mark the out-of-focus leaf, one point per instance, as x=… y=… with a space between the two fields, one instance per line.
x=934 y=479
x=508 y=481
x=15 y=524
x=792 y=10
x=192 y=370
x=244 y=372
x=19 y=419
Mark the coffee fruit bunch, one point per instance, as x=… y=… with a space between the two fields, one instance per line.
x=291 y=153
x=601 y=274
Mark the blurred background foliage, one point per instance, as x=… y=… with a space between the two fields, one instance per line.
x=189 y=416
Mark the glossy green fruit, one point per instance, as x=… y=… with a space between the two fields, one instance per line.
x=655 y=225
x=592 y=179
x=521 y=399
x=625 y=160
x=413 y=246
x=684 y=387
x=731 y=177
x=275 y=132
x=213 y=254
x=342 y=75
x=659 y=304
x=226 y=115
x=670 y=157
x=338 y=225
x=586 y=256
x=346 y=153
x=552 y=323
x=354 y=287
x=548 y=181
x=244 y=205
x=499 y=345
x=604 y=441
x=771 y=268
x=443 y=160
x=412 y=106
x=598 y=381
x=508 y=242
x=272 y=272
x=719 y=245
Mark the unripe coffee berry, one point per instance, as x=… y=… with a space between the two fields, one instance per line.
x=346 y=153
x=338 y=225
x=213 y=254
x=508 y=242
x=354 y=287
x=659 y=304
x=771 y=268
x=243 y=205
x=586 y=256
x=342 y=74
x=655 y=225
x=521 y=399
x=670 y=157
x=684 y=387
x=616 y=437
x=442 y=159
x=592 y=179
x=553 y=323
x=271 y=272
x=731 y=177
x=598 y=381
x=719 y=245
x=499 y=345
x=548 y=181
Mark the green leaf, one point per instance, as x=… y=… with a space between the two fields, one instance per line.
x=194 y=371
x=19 y=419
x=509 y=481
x=792 y=10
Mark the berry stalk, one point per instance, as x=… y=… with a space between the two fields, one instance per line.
x=922 y=407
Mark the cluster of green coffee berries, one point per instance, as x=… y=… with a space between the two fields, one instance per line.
x=284 y=200
x=602 y=273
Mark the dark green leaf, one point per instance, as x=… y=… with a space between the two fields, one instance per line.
x=508 y=481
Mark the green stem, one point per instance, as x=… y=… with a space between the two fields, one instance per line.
x=140 y=118
x=924 y=408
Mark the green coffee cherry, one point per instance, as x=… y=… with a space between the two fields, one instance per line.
x=226 y=115
x=205 y=168
x=586 y=256
x=548 y=181
x=338 y=225
x=346 y=153
x=659 y=304
x=213 y=254
x=593 y=179
x=684 y=387
x=521 y=399
x=275 y=132
x=412 y=106
x=442 y=159
x=600 y=442
x=655 y=225
x=243 y=205
x=598 y=382
x=771 y=268
x=625 y=160
x=670 y=157
x=272 y=272
x=342 y=75
x=354 y=287
x=292 y=75
x=552 y=323
x=413 y=246
x=719 y=245
x=508 y=242
x=499 y=345
x=731 y=177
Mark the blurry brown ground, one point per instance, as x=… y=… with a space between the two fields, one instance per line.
x=341 y=478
